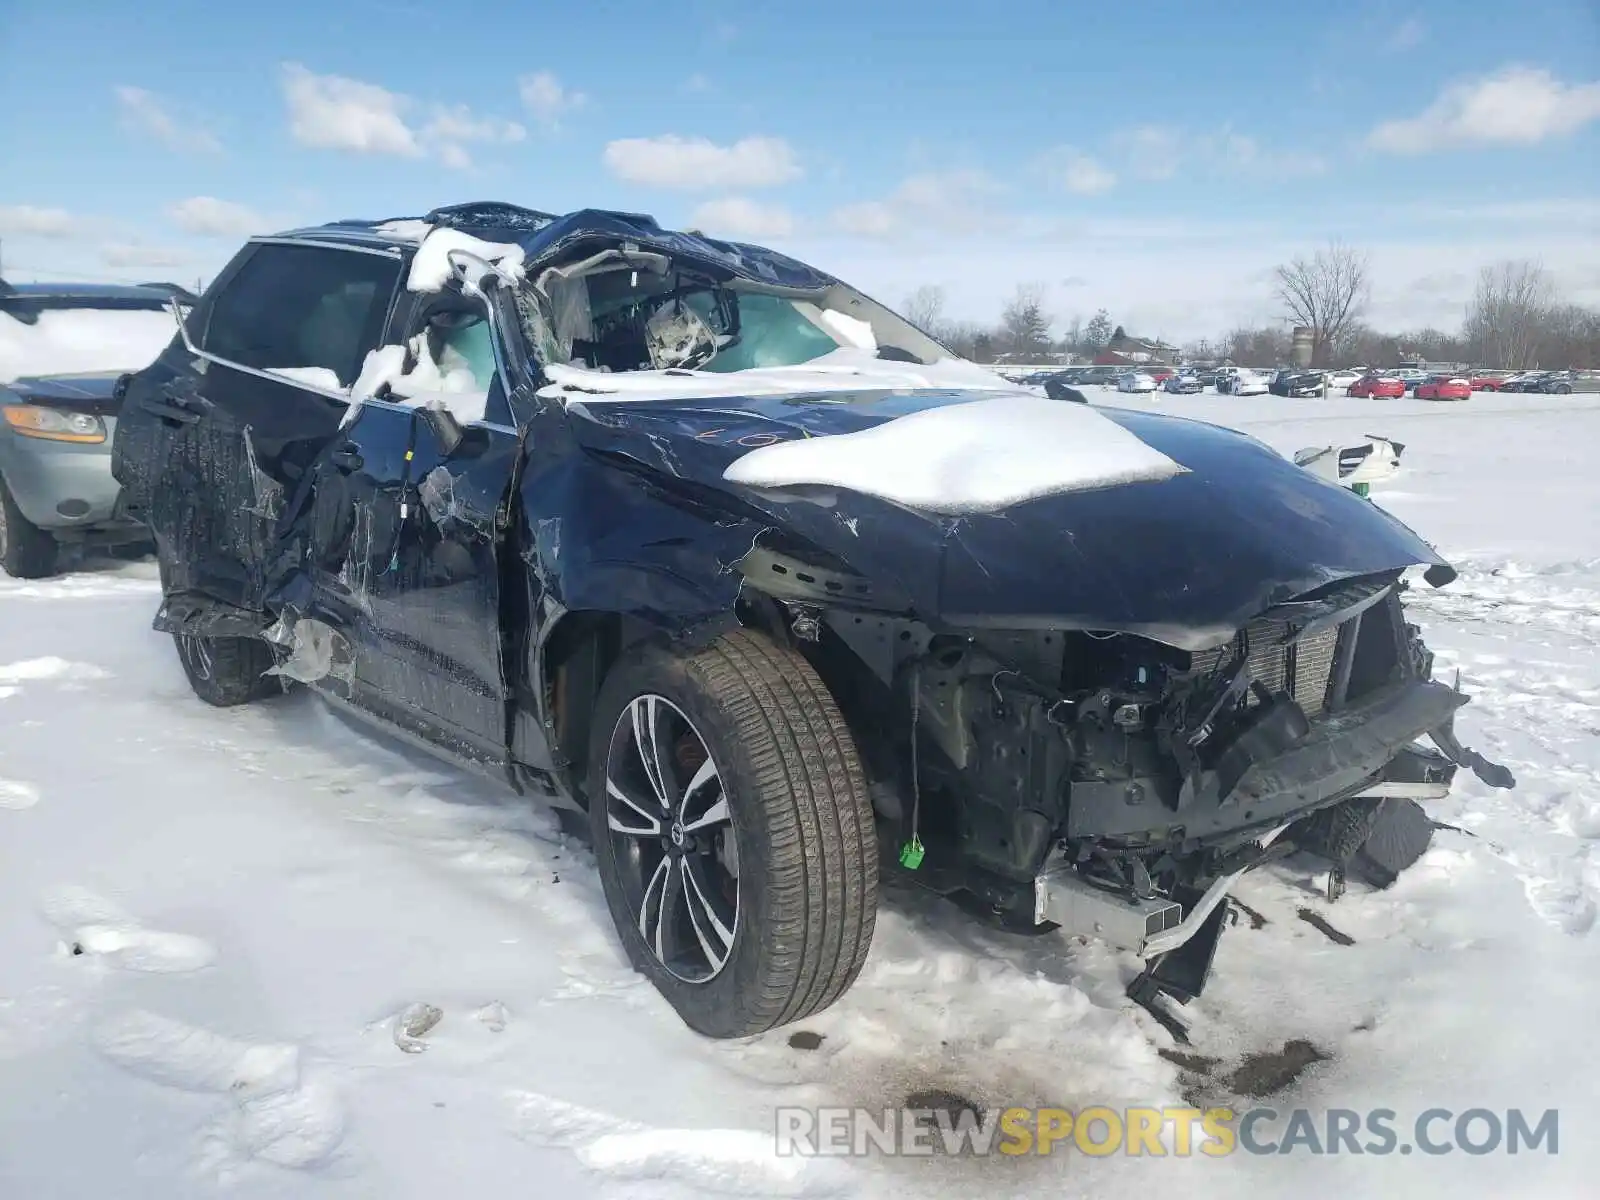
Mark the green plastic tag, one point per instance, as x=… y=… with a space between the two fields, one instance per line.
x=911 y=853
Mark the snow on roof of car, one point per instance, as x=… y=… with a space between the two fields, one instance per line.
x=976 y=457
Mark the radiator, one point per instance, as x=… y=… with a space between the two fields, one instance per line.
x=1302 y=670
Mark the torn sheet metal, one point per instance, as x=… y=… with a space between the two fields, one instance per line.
x=314 y=650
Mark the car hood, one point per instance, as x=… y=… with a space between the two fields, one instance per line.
x=89 y=393
x=1187 y=560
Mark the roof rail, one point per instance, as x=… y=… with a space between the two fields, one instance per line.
x=489 y=214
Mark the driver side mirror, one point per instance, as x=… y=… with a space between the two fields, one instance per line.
x=447 y=431
x=472 y=272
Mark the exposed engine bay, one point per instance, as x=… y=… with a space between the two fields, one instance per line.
x=1113 y=784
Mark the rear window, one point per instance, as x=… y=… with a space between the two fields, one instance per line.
x=294 y=307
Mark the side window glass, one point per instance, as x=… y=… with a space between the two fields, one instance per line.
x=303 y=307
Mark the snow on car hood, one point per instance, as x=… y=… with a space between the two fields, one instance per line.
x=981 y=456
x=77 y=340
x=1186 y=559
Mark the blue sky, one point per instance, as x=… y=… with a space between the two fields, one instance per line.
x=1154 y=158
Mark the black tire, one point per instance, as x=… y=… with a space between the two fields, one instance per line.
x=26 y=551
x=1336 y=833
x=796 y=837
x=227 y=671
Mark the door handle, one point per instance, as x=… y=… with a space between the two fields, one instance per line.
x=176 y=406
x=347 y=457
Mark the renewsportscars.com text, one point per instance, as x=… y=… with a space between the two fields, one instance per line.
x=1164 y=1132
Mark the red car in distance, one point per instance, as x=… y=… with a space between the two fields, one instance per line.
x=1486 y=383
x=1370 y=387
x=1444 y=387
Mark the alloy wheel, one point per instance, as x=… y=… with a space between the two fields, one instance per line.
x=673 y=838
x=197 y=654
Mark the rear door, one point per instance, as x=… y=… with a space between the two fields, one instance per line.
x=216 y=439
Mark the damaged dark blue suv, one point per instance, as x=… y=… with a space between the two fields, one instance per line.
x=702 y=542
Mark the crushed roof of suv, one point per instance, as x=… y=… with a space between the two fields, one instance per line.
x=542 y=235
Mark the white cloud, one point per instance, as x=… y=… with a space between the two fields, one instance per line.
x=139 y=254
x=1516 y=106
x=29 y=220
x=1160 y=152
x=1152 y=151
x=145 y=113
x=330 y=112
x=546 y=100
x=697 y=83
x=671 y=161
x=1076 y=172
x=450 y=130
x=208 y=216
x=1406 y=36
x=934 y=201
x=741 y=217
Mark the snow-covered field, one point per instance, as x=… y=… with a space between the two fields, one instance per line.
x=212 y=925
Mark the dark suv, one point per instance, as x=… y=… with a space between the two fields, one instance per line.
x=701 y=542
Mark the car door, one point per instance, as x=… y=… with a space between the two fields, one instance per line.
x=215 y=440
x=408 y=513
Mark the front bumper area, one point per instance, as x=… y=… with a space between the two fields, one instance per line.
x=1342 y=750
x=65 y=487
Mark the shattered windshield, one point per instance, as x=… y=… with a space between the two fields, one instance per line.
x=620 y=313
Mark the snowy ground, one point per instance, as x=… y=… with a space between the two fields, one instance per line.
x=255 y=895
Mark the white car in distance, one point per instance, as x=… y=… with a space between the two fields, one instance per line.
x=1135 y=381
x=1248 y=383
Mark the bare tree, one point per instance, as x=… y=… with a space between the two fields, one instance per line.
x=1514 y=300
x=1261 y=347
x=1327 y=293
x=1024 y=323
x=924 y=308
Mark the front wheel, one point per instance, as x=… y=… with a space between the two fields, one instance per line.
x=733 y=832
x=26 y=551
x=227 y=671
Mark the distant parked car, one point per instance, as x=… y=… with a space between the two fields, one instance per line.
x=1411 y=377
x=1296 y=384
x=62 y=348
x=1338 y=381
x=1104 y=376
x=1444 y=387
x=1182 y=385
x=1135 y=381
x=1206 y=375
x=1371 y=387
x=1245 y=383
x=1487 y=381
x=1158 y=372
x=1528 y=381
x=1564 y=383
